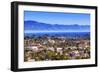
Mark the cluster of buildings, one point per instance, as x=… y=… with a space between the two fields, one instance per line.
x=56 y=49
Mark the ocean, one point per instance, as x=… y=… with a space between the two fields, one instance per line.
x=59 y=34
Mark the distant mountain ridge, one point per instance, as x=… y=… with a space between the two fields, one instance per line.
x=38 y=26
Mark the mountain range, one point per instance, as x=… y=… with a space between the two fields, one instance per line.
x=39 y=26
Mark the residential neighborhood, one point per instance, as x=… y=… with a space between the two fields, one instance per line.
x=48 y=48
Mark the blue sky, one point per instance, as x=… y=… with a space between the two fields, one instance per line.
x=58 y=17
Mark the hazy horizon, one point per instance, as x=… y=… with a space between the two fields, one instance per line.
x=32 y=31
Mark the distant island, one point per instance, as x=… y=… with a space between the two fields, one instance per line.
x=39 y=26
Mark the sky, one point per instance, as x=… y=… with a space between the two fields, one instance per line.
x=57 y=17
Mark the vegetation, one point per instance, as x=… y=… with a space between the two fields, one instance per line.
x=46 y=48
